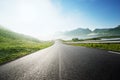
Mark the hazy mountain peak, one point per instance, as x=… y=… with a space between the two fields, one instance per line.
x=86 y=32
x=118 y=27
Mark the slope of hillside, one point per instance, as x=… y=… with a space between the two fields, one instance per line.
x=115 y=30
x=76 y=32
x=111 y=31
x=7 y=35
x=14 y=45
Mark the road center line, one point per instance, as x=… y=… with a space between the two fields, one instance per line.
x=60 y=66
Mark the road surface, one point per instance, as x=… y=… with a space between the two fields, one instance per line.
x=64 y=62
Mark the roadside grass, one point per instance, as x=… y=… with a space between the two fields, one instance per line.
x=13 y=49
x=95 y=38
x=106 y=46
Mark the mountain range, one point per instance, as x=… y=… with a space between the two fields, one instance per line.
x=87 y=33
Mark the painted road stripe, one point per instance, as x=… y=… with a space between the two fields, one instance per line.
x=113 y=52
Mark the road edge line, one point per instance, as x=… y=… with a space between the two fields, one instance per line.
x=114 y=52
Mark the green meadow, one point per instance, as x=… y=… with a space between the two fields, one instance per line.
x=14 y=45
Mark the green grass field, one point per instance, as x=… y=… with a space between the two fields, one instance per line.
x=15 y=49
x=106 y=46
x=14 y=45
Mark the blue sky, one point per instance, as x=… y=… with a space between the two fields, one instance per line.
x=43 y=18
x=103 y=13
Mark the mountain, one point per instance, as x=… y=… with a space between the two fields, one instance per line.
x=77 y=32
x=87 y=33
x=115 y=30
x=110 y=31
x=8 y=35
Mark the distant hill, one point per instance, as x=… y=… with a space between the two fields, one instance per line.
x=77 y=32
x=110 y=31
x=87 y=33
x=8 y=35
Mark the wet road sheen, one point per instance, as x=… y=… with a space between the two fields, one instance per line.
x=64 y=62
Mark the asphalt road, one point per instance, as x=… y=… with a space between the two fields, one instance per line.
x=64 y=62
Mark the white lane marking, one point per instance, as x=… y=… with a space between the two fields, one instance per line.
x=113 y=52
x=59 y=65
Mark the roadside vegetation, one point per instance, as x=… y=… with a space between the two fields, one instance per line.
x=15 y=49
x=14 y=45
x=95 y=38
x=106 y=46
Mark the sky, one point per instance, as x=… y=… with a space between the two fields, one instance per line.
x=43 y=18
